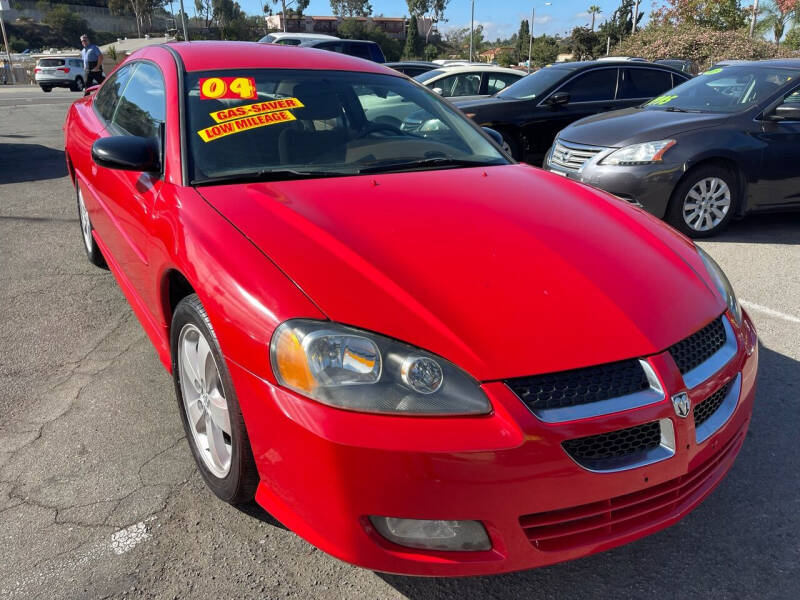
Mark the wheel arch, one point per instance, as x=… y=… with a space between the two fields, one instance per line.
x=719 y=160
x=174 y=288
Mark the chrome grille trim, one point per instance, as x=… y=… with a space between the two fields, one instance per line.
x=716 y=361
x=605 y=407
x=572 y=157
x=720 y=416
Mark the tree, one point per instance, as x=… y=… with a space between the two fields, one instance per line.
x=544 y=50
x=721 y=15
x=204 y=9
x=287 y=8
x=584 y=42
x=351 y=8
x=65 y=23
x=619 y=26
x=777 y=17
x=523 y=40
x=430 y=52
x=594 y=10
x=792 y=41
x=458 y=40
x=428 y=9
x=142 y=10
x=412 y=39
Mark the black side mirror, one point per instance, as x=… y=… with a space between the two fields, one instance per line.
x=495 y=135
x=128 y=153
x=786 y=112
x=558 y=99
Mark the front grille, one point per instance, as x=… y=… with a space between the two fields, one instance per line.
x=580 y=386
x=572 y=157
x=599 y=522
x=710 y=405
x=616 y=445
x=698 y=347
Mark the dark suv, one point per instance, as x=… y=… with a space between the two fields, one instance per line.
x=358 y=48
x=530 y=112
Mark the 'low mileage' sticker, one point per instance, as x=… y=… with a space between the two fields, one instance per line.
x=218 y=131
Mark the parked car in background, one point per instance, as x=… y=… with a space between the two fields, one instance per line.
x=366 y=49
x=719 y=146
x=294 y=39
x=687 y=66
x=61 y=71
x=530 y=112
x=469 y=82
x=412 y=68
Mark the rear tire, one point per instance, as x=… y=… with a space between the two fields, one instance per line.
x=704 y=202
x=77 y=85
x=47 y=88
x=209 y=407
x=89 y=244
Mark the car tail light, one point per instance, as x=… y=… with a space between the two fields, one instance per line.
x=65 y=69
x=36 y=70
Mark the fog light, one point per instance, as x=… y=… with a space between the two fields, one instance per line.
x=434 y=535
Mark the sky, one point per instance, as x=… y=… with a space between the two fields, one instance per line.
x=560 y=17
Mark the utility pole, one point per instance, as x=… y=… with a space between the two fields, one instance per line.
x=183 y=20
x=530 y=40
x=3 y=5
x=471 y=30
x=635 y=17
x=753 y=20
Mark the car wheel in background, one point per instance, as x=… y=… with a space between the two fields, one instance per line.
x=46 y=88
x=77 y=86
x=208 y=406
x=510 y=146
x=92 y=250
x=703 y=203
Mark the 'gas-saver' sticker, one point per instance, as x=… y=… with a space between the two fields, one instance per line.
x=713 y=71
x=217 y=131
x=269 y=106
x=661 y=100
x=215 y=88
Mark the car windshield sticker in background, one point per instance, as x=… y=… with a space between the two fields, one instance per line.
x=236 y=88
x=713 y=71
x=229 y=114
x=661 y=100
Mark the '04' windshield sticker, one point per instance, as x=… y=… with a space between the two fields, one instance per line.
x=262 y=120
x=234 y=88
x=661 y=100
x=229 y=114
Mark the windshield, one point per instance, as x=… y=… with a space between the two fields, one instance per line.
x=534 y=85
x=423 y=77
x=282 y=124
x=51 y=62
x=724 y=90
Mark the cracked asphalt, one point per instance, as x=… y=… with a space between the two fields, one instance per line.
x=100 y=498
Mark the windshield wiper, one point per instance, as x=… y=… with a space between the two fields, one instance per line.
x=438 y=162
x=270 y=175
x=682 y=110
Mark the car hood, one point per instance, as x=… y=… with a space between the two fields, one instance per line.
x=505 y=270
x=632 y=125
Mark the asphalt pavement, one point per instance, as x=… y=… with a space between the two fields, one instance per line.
x=100 y=498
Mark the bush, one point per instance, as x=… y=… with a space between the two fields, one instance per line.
x=701 y=45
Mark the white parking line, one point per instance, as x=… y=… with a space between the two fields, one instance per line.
x=769 y=311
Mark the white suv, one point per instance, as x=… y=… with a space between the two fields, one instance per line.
x=61 y=71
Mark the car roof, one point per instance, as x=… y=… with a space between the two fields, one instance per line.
x=412 y=63
x=785 y=63
x=450 y=69
x=316 y=42
x=306 y=36
x=588 y=64
x=219 y=55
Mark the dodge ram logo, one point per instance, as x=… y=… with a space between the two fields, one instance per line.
x=681 y=404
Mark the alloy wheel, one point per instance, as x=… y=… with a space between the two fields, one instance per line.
x=706 y=204
x=86 y=224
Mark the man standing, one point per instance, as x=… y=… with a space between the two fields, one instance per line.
x=92 y=61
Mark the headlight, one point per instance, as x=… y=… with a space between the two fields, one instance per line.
x=357 y=370
x=639 y=154
x=723 y=285
x=432 y=126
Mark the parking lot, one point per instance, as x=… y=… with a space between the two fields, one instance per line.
x=100 y=497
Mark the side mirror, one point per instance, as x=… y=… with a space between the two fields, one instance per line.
x=90 y=90
x=558 y=99
x=494 y=134
x=128 y=153
x=438 y=90
x=786 y=112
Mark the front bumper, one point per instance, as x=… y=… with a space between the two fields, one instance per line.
x=324 y=471
x=647 y=186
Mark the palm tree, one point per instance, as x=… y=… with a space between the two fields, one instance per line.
x=594 y=10
x=775 y=18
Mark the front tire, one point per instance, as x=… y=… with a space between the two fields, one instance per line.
x=208 y=406
x=704 y=202
x=92 y=249
x=511 y=146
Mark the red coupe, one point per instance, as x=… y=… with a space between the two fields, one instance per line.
x=420 y=356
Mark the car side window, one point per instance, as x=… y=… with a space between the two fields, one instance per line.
x=142 y=108
x=359 y=50
x=461 y=84
x=332 y=46
x=594 y=86
x=643 y=83
x=288 y=42
x=499 y=81
x=107 y=98
x=793 y=99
